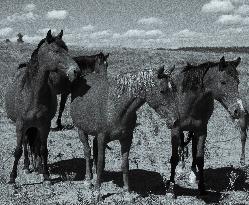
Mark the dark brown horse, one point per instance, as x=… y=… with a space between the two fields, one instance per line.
x=31 y=100
x=191 y=106
x=87 y=64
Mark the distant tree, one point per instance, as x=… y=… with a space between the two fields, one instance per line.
x=20 y=36
x=7 y=40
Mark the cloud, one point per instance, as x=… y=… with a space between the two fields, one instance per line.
x=186 y=33
x=89 y=27
x=44 y=31
x=136 y=33
x=243 y=10
x=5 y=31
x=29 y=7
x=19 y=17
x=101 y=34
x=218 y=6
x=32 y=39
x=57 y=14
x=150 y=21
x=232 y=20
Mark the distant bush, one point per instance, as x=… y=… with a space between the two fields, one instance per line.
x=234 y=49
x=20 y=36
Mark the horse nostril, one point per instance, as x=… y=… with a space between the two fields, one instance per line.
x=236 y=113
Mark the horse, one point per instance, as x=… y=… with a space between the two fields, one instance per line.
x=31 y=100
x=191 y=106
x=108 y=109
x=62 y=86
x=87 y=64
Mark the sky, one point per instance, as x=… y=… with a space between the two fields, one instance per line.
x=129 y=23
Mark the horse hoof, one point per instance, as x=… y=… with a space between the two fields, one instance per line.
x=47 y=182
x=170 y=189
x=97 y=196
x=26 y=171
x=88 y=184
x=242 y=162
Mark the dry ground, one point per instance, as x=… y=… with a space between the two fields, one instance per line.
x=226 y=181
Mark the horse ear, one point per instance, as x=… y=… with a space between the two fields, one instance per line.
x=107 y=55
x=160 y=73
x=49 y=37
x=222 y=64
x=237 y=61
x=60 y=34
x=222 y=60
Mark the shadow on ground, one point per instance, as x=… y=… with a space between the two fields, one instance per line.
x=146 y=182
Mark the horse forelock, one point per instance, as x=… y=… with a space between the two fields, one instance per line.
x=135 y=82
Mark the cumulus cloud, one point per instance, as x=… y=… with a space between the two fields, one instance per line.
x=89 y=27
x=32 y=39
x=29 y=7
x=5 y=31
x=57 y=14
x=137 y=33
x=100 y=34
x=243 y=10
x=150 y=21
x=19 y=17
x=186 y=33
x=230 y=19
x=218 y=6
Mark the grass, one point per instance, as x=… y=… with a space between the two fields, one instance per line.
x=226 y=181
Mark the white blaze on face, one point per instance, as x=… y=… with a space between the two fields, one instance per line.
x=71 y=73
x=239 y=101
x=169 y=85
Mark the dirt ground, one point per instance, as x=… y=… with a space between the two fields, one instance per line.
x=226 y=180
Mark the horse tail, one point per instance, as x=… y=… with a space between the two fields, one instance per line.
x=33 y=141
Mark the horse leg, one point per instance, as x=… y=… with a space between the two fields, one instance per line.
x=175 y=142
x=61 y=109
x=243 y=134
x=125 y=150
x=17 y=153
x=200 y=160
x=44 y=152
x=100 y=163
x=87 y=152
x=192 y=176
x=95 y=153
x=26 y=157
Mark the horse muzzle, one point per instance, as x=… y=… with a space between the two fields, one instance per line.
x=236 y=109
x=73 y=72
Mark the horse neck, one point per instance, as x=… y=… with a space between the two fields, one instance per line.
x=38 y=82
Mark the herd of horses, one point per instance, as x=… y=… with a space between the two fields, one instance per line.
x=105 y=107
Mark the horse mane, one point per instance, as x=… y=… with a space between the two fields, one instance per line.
x=194 y=75
x=134 y=83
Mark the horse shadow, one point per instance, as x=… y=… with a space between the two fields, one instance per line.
x=146 y=182
x=141 y=181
